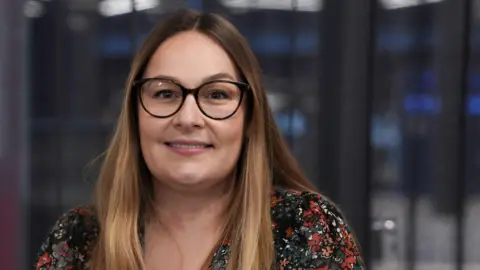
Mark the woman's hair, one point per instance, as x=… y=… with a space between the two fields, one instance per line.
x=124 y=188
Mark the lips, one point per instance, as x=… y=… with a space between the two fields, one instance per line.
x=189 y=146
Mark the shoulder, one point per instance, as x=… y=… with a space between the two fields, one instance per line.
x=69 y=242
x=310 y=232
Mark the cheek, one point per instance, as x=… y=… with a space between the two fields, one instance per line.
x=232 y=134
x=143 y=127
x=150 y=128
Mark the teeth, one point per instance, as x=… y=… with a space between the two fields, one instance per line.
x=188 y=146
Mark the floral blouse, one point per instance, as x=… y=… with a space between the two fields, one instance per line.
x=309 y=233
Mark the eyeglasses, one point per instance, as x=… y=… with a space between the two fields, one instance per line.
x=217 y=99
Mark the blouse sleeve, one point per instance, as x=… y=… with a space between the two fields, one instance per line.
x=67 y=245
x=329 y=235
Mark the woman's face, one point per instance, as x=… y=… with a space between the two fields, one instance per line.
x=188 y=149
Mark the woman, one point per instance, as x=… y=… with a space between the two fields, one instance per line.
x=197 y=175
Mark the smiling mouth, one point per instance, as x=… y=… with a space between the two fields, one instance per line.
x=188 y=146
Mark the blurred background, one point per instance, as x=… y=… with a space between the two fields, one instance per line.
x=378 y=99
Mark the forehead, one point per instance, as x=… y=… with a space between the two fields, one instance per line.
x=190 y=57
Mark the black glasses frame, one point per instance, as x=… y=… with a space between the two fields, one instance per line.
x=243 y=87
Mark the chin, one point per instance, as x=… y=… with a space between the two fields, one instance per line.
x=193 y=181
x=187 y=177
x=188 y=180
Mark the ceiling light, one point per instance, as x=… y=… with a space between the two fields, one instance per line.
x=118 y=7
x=300 y=5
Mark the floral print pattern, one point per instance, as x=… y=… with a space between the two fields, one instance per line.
x=309 y=234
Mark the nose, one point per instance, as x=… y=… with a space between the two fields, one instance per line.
x=189 y=116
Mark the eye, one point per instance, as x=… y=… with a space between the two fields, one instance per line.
x=161 y=90
x=165 y=94
x=218 y=94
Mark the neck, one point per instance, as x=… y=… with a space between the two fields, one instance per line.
x=183 y=210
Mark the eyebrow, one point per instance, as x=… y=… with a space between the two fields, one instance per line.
x=217 y=76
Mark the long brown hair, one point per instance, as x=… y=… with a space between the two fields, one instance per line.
x=123 y=190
